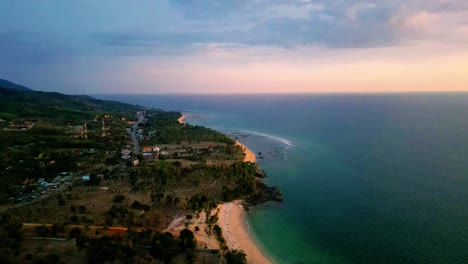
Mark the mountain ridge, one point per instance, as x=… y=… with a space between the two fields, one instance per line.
x=18 y=103
x=11 y=85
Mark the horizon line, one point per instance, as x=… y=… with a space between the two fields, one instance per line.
x=291 y=93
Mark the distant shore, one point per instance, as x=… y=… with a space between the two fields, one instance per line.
x=182 y=119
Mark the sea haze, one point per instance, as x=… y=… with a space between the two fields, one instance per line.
x=366 y=178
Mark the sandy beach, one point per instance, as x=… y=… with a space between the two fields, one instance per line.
x=231 y=221
x=182 y=119
x=249 y=155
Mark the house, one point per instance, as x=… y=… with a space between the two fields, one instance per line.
x=147 y=149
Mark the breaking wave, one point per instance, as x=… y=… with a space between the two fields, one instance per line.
x=276 y=138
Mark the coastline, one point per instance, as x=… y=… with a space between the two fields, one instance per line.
x=235 y=231
x=231 y=219
x=232 y=222
x=249 y=155
x=181 y=119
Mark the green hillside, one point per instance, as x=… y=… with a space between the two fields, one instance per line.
x=32 y=104
x=10 y=85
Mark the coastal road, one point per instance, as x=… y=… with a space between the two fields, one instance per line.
x=133 y=133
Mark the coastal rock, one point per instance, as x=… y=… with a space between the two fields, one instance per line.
x=265 y=194
x=260 y=174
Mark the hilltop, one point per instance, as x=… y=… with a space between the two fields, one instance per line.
x=10 y=85
x=21 y=103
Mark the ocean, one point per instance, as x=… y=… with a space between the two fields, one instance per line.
x=366 y=178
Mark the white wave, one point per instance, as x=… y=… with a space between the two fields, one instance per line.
x=280 y=139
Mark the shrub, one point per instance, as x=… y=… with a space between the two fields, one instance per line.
x=118 y=198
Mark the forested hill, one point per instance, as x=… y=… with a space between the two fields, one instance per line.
x=8 y=84
x=27 y=103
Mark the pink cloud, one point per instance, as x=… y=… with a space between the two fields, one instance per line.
x=421 y=22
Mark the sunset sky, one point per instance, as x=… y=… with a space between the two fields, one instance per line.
x=254 y=46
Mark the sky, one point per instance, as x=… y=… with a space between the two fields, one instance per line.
x=235 y=46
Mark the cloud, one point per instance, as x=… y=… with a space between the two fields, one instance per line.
x=335 y=24
x=292 y=11
x=40 y=36
x=178 y=24
x=421 y=22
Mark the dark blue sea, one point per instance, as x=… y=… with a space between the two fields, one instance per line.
x=368 y=178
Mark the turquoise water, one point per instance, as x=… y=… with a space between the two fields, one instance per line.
x=366 y=178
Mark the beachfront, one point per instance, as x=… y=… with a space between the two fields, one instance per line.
x=235 y=231
x=249 y=155
x=232 y=222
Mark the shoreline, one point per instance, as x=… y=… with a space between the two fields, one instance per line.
x=231 y=219
x=181 y=119
x=249 y=155
x=235 y=231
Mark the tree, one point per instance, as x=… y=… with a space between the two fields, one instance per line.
x=75 y=232
x=235 y=257
x=136 y=205
x=81 y=241
x=219 y=235
x=189 y=256
x=187 y=240
x=108 y=250
x=57 y=228
x=94 y=179
x=82 y=209
x=60 y=200
x=74 y=219
x=161 y=247
x=42 y=230
x=118 y=198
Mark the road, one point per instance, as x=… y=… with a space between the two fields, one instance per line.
x=133 y=133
